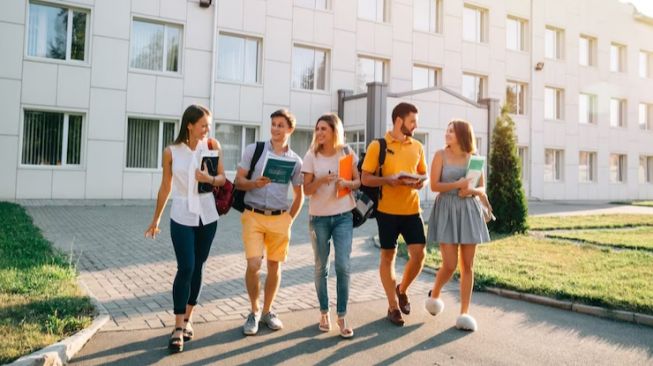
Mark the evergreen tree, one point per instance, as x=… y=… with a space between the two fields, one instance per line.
x=504 y=187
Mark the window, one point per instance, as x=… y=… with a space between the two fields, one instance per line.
x=617 y=58
x=553 y=103
x=553 y=164
x=356 y=140
x=587 y=167
x=617 y=168
x=474 y=86
x=369 y=70
x=587 y=108
x=313 y=4
x=474 y=24
x=617 y=112
x=646 y=169
x=233 y=140
x=553 y=43
x=523 y=162
x=425 y=77
x=309 y=68
x=516 y=97
x=645 y=64
x=479 y=145
x=516 y=34
x=300 y=141
x=146 y=140
x=52 y=138
x=645 y=116
x=587 y=51
x=239 y=59
x=372 y=10
x=427 y=15
x=57 y=32
x=155 y=46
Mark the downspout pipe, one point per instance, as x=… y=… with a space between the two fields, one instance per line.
x=214 y=55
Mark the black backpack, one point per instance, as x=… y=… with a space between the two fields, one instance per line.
x=373 y=194
x=239 y=196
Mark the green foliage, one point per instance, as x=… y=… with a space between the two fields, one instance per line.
x=611 y=221
x=504 y=187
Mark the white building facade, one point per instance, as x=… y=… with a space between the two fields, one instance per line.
x=91 y=91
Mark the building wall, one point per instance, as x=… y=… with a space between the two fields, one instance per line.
x=107 y=91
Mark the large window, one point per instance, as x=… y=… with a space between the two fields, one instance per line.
x=313 y=4
x=300 y=141
x=57 y=32
x=645 y=116
x=645 y=64
x=474 y=86
x=427 y=15
x=155 y=46
x=516 y=97
x=553 y=43
x=587 y=50
x=553 y=165
x=587 y=108
x=233 y=140
x=516 y=34
x=553 y=103
x=369 y=70
x=310 y=68
x=618 y=168
x=375 y=10
x=239 y=58
x=617 y=112
x=475 y=27
x=51 y=138
x=587 y=167
x=646 y=169
x=425 y=77
x=146 y=140
x=523 y=162
x=356 y=139
x=617 y=57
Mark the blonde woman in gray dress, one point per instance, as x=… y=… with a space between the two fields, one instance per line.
x=456 y=221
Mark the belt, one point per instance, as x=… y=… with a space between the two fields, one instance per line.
x=265 y=212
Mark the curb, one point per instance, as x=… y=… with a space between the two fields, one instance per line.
x=621 y=315
x=63 y=351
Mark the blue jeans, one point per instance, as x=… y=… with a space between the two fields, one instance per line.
x=192 y=245
x=339 y=228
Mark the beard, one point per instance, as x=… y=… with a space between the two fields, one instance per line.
x=406 y=131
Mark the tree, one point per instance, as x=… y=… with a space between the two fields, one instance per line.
x=504 y=187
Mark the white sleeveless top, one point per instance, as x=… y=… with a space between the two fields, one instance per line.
x=189 y=206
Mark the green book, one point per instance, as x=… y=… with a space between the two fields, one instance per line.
x=278 y=169
x=475 y=167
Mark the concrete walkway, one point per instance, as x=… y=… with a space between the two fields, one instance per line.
x=131 y=277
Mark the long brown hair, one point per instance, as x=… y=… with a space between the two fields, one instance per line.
x=191 y=115
x=464 y=134
x=335 y=124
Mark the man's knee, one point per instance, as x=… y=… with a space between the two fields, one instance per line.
x=254 y=265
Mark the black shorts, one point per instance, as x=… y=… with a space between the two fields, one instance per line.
x=411 y=227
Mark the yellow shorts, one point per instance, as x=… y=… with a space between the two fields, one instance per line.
x=271 y=233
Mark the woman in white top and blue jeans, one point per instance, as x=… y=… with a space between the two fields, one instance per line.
x=193 y=216
x=330 y=216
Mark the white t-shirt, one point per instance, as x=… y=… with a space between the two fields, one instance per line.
x=324 y=201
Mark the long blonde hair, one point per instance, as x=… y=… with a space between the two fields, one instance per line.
x=335 y=123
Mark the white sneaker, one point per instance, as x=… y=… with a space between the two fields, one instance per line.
x=272 y=321
x=466 y=322
x=251 y=324
x=434 y=306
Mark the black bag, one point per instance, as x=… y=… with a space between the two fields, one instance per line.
x=373 y=193
x=239 y=196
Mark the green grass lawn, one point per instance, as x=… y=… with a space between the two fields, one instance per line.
x=594 y=276
x=588 y=221
x=40 y=302
x=635 y=203
x=635 y=238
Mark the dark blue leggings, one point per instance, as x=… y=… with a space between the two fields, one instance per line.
x=192 y=245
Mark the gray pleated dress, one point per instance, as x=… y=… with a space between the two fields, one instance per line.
x=456 y=220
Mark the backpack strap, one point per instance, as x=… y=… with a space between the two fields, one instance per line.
x=257 y=155
x=383 y=146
